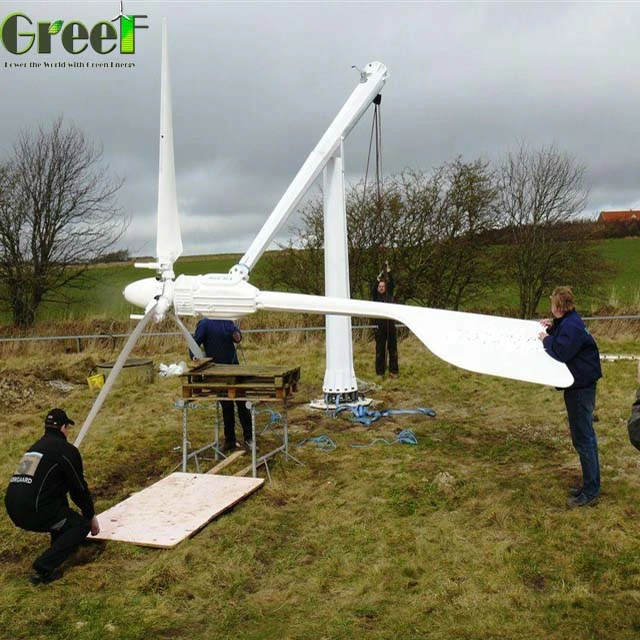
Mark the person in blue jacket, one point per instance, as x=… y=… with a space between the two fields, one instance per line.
x=567 y=339
x=219 y=339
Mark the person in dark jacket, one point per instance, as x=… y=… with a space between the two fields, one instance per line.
x=36 y=498
x=567 y=339
x=633 y=425
x=386 y=333
x=219 y=339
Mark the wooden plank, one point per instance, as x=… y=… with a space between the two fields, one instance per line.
x=233 y=393
x=243 y=472
x=241 y=370
x=202 y=363
x=211 y=397
x=227 y=461
x=241 y=385
x=277 y=381
x=273 y=378
x=273 y=381
x=173 y=509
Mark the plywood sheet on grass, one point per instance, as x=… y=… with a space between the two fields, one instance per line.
x=173 y=509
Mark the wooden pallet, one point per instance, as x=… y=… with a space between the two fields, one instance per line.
x=236 y=382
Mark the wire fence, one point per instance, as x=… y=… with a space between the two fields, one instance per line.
x=82 y=340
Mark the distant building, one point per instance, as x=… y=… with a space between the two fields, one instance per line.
x=619 y=216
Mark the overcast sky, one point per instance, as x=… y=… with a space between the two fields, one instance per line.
x=255 y=85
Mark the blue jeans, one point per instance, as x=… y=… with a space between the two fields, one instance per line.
x=580 y=404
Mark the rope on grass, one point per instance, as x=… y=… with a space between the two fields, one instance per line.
x=404 y=437
x=366 y=416
x=275 y=417
x=365 y=386
x=324 y=443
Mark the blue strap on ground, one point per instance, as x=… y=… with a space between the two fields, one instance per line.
x=275 y=416
x=324 y=443
x=367 y=416
x=404 y=437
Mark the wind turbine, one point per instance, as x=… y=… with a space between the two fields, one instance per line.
x=492 y=345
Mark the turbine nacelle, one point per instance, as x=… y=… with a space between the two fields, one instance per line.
x=214 y=295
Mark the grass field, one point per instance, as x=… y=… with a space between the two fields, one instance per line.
x=460 y=537
x=624 y=290
x=103 y=297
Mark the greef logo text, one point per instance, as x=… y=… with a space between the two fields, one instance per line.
x=17 y=37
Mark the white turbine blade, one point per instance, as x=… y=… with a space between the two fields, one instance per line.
x=111 y=378
x=169 y=241
x=193 y=345
x=505 y=347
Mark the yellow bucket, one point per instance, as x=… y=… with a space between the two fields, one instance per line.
x=95 y=382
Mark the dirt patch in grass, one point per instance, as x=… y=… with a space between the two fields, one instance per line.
x=17 y=389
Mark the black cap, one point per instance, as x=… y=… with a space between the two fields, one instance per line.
x=57 y=418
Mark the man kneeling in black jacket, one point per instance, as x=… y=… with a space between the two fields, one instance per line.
x=36 y=498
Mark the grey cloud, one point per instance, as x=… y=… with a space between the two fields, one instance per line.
x=256 y=84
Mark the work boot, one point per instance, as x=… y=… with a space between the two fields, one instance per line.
x=228 y=446
x=582 y=500
x=45 y=577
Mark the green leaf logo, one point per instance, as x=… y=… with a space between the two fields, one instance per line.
x=55 y=27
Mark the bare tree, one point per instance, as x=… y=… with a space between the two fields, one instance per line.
x=447 y=215
x=428 y=226
x=541 y=190
x=57 y=214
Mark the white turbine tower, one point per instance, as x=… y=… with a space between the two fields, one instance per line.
x=340 y=385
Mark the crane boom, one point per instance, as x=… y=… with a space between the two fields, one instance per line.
x=372 y=79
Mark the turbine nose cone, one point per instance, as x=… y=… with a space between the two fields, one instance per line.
x=141 y=292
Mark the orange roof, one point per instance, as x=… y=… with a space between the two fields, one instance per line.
x=619 y=216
